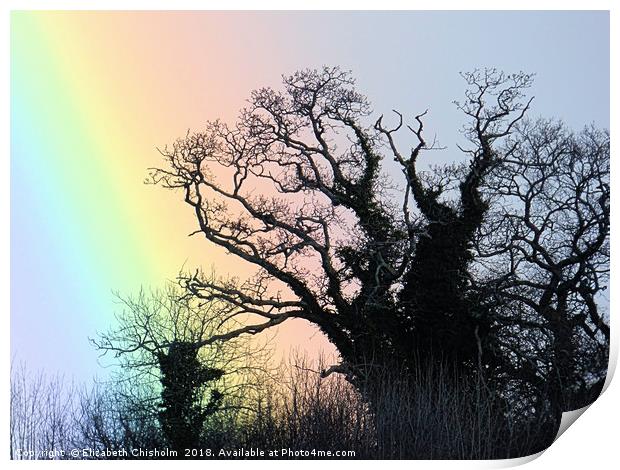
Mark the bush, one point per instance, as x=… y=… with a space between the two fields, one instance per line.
x=431 y=415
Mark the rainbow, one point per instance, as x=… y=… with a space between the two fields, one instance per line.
x=92 y=97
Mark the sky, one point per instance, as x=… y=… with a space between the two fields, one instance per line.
x=94 y=94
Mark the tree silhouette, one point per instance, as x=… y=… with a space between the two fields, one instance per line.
x=167 y=372
x=442 y=271
x=545 y=249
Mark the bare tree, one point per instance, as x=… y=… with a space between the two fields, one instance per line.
x=167 y=372
x=547 y=250
x=295 y=189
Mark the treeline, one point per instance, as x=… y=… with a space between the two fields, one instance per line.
x=437 y=416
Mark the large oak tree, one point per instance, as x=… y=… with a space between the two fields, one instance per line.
x=494 y=266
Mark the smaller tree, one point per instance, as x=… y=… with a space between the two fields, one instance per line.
x=166 y=367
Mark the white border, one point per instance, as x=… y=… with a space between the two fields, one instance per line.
x=592 y=443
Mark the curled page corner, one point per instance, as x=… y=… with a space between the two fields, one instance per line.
x=568 y=419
